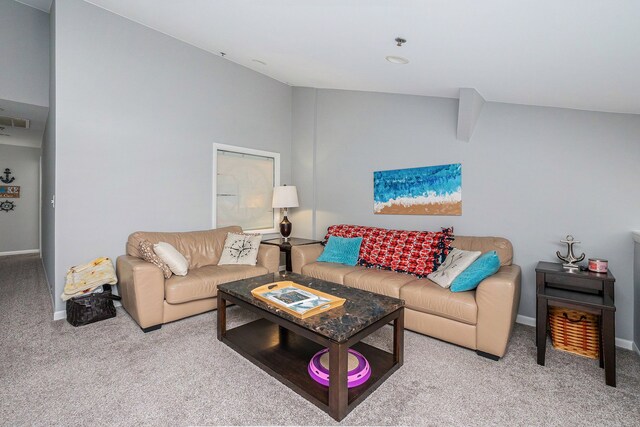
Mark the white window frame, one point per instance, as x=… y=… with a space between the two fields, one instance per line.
x=250 y=151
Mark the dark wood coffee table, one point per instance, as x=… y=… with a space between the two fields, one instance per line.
x=283 y=345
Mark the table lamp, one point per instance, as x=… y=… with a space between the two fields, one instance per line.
x=285 y=197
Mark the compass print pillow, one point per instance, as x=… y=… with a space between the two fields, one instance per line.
x=240 y=249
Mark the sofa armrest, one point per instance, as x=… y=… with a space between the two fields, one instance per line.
x=269 y=257
x=141 y=285
x=498 y=298
x=303 y=255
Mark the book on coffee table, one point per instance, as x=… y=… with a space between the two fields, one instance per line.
x=296 y=299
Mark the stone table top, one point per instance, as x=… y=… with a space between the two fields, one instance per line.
x=361 y=308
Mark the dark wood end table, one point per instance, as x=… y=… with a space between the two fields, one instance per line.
x=579 y=290
x=286 y=245
x=282 y=344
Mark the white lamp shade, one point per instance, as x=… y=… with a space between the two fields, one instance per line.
x=285 y=196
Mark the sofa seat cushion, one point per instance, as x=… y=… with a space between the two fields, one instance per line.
x=379 y=281
x=329 y=271
x=203 y=282
x=425 y=296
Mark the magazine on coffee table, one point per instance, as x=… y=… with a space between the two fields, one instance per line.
x=290 y=296
x=296 y=299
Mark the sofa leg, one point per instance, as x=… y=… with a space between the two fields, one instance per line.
x=151 y=328
x=488 y=355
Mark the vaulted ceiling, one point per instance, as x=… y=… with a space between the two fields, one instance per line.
x=582 y=54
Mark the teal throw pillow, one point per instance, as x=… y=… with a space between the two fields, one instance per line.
x=341 y=250
x=487 y=265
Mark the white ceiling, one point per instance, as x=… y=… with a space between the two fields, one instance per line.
x=582 y=54
x=31 y=137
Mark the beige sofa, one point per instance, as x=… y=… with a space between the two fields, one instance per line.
x=151 y=300
x=481 y=320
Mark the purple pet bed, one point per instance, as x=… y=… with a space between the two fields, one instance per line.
x=359 y=370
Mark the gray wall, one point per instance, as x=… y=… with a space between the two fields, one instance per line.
x=137 y=113
x=24 y=52
x=48 y=216
x=19 y=227
x=303 y=164
x=530 y=174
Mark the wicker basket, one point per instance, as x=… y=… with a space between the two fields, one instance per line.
x=575 y=331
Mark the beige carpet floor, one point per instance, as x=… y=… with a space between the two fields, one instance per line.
x=110 y=373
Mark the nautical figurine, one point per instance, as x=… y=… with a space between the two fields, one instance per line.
x=570 y=259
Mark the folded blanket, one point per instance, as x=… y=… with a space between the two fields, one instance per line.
x=89 y=276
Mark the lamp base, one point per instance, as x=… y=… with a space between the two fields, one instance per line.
x=285 y=228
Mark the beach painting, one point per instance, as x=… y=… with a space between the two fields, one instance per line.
x=430 y=190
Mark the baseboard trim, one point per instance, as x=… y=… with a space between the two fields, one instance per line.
x=525 y=320
x=626 y=344
x=531 y=321
x=26 y=251
x=636 y=349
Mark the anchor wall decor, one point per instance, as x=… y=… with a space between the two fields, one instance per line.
x=6 y=179
x=570 y=259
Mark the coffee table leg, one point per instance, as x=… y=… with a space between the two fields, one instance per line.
x=398 y=339
x=338 y=391
x=283 y=334
x=222 y=316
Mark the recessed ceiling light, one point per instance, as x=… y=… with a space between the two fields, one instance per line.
x=397 y=60
x=259 y=62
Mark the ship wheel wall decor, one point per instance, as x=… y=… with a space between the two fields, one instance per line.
x=7 y=206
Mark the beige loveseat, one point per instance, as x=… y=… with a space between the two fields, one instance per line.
x=151 y=300
x=481 y=320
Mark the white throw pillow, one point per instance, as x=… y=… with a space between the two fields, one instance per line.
x=177 y=263
x=456 y=262
x=241 y=249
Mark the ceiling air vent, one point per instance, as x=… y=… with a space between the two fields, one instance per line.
x=14 y=122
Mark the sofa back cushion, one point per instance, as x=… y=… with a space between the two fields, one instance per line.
x=414 y=252
x=502 y=246
x=200 y=248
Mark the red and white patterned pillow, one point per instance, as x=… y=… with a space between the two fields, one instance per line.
x=414 y=252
